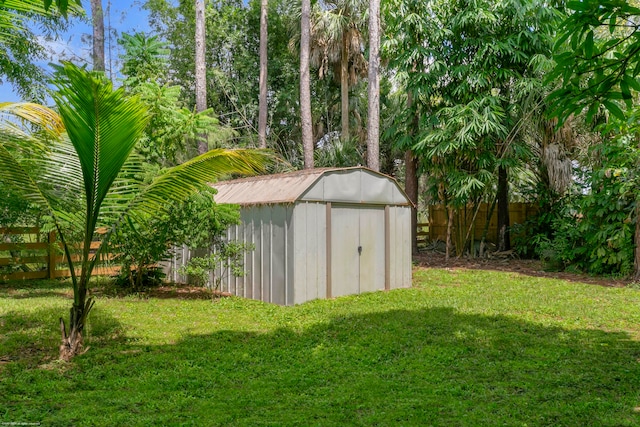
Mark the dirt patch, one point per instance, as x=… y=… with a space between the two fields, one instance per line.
x=511 y=263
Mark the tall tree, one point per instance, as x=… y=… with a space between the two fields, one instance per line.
x=305 y=85
x=86 y=178
x=337 y=42
x=373 y=126
x=97 y=20
x=201 y=70
x=232 y=49
x=263 y=107
x=470 y=63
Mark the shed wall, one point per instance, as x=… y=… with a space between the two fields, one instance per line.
x=400 y=246
x=310 y=251
x=269 y=273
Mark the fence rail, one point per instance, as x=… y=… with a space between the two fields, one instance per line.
x=470 y=219
x=39 y=256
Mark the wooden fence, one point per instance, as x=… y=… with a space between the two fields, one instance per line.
x=37 y=255
x=518 y=214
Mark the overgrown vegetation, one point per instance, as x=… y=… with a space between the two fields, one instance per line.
x=139 y=246
x=592 y=228
x=463 y=348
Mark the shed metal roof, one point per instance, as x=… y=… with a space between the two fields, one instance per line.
x=342 y=185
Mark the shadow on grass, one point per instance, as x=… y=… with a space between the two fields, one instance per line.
x=424 y=367
x=32 y=339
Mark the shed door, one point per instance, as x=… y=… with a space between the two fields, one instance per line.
x=357 y=249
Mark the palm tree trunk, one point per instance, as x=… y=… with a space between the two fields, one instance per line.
x=305 y=85
x=97 y=19
x=73 y=343
x=262 y=109
x=373 y=134
x=344 y=85
x=201 y=72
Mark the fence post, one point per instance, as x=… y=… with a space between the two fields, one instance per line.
x=51 y=265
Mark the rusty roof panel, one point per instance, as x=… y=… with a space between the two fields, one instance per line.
x=266 y=189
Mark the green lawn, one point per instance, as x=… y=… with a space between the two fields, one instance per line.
x=462 y=348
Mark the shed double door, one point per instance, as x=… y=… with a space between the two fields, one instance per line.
x=357 y=249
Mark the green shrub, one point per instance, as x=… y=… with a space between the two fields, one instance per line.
x=140 y=245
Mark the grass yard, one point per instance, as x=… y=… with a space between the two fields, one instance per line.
x=461 y=348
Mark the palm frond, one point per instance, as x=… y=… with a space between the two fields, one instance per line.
x=179 y=182
x=103 y=125
x=44 y=117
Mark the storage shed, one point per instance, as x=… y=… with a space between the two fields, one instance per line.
x=319 y=233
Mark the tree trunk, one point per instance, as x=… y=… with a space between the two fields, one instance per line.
x=262 y=113
x=97 y=20
x=411 y=185
x=636 y=237
x=447 y=251
x=411 y=188
x=504 y=240
x=73 y=343
x=344 y=85
x=373 y=134
x=305 y=85
x=201 y=71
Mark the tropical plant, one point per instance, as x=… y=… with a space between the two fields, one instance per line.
x=336 y=152
x=172 y=128
x=232 y=49
x=145 y=58
x=597 y=58
x=597 y=62
x=88 y=178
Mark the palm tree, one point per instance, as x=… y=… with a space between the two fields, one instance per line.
x=337 y=41
x=86 y=178
x=262 y=108
x=305 y=85
x=201 y=70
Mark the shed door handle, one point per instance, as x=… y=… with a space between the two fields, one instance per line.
x=359 y=250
